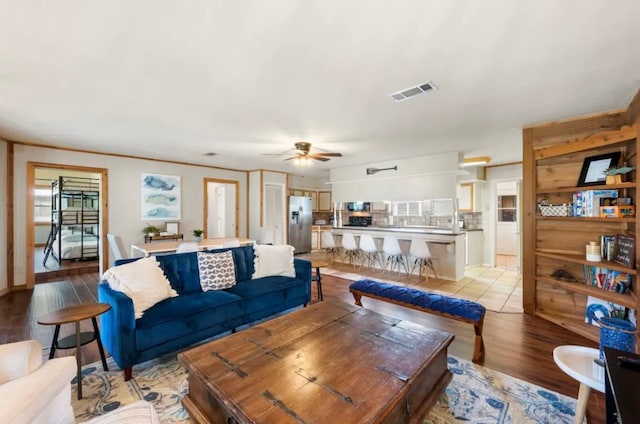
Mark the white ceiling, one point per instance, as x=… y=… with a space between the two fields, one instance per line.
x=173 y=80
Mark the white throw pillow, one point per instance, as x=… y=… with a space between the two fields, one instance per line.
x=273 y=260
x=217 y=270
x=143 y=281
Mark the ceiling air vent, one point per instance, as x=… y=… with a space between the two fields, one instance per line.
x=413 y=91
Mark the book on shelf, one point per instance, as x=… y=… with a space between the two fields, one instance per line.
x=598 y=308
x=607 y=279
x=607 y=246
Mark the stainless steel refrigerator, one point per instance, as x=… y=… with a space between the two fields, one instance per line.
x=300 y=210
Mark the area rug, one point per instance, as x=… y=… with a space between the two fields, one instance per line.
x=476 y=394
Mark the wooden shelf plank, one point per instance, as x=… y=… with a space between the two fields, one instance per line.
x=580 y=259
x=601 y=139
x=591 y=332
x=585 y=218
x=596 y=187
x=580 y=287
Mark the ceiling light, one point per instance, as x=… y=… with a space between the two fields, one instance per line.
x=480 y=160
x=302 y=161
x=401 y=95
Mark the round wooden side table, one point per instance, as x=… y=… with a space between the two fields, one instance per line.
x=75 y=314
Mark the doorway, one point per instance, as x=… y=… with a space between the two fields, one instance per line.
x=84 y=247
x=275 y=215
x=221 y=208
x=508 y=225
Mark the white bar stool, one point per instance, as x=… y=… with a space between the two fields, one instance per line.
x=577 y=362
x=350 y=247
x=393 y=254
x=370 y=252
x=419 y=249
x=329 y=245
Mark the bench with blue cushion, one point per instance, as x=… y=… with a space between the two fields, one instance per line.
x=437 y=304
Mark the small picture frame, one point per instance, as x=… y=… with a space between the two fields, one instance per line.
x=594 y=168
x=625 y=250
x=172 y=228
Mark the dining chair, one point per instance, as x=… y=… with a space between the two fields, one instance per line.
x=117 y=247
x=187 y=246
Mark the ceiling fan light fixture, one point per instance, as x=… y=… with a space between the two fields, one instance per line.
x=475 y=161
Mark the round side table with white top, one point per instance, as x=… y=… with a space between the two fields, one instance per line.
x=578 y=363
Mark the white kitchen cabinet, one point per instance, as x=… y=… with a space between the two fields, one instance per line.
x=315 y=240
x=474 y=252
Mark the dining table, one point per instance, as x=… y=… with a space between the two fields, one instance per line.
x=154 y=248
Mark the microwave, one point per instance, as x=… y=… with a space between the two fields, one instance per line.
x=358 y=206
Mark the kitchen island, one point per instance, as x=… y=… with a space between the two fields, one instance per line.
x=446 y=246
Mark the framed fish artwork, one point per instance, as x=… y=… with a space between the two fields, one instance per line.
x=160 y=197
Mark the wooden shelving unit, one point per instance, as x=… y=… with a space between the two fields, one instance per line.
x=552 y=160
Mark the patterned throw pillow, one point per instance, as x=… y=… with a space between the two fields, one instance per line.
x=217 y=270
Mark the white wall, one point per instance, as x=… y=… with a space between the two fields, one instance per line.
x=301 y=181
x=489 y=207
x=425 y=177
x=124 y=186
x=4 y=284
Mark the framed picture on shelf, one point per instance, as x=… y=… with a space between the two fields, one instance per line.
x=172 y=228
x=594 y=168
x=625 y=250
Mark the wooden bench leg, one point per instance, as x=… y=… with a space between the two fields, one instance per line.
x=357 y=297
x=478 y=346
x=128 y=373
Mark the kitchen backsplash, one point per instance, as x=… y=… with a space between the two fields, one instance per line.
x=472 y=220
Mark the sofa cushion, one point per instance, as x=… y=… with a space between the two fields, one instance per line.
x=217 y=270
x=268 y=292
x=143 y=281
x=273 y=260
x=187 y=313
x=243 y=260
x=182 y=271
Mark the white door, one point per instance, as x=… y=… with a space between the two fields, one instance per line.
x=275 y=215
x=508 y=222
x=221 y=206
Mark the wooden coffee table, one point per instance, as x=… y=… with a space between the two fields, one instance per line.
x=330 y=362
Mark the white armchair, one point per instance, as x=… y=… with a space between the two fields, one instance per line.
x=33 y=392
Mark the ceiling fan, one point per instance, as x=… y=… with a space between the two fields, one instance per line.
x=303 y=153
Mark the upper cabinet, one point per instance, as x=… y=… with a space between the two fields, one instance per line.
x=324 y=201
x=321 y=199
x=465 y=197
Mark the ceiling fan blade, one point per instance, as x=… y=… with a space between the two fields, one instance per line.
x=328 y=154
x=320 y=158
x=292 y=157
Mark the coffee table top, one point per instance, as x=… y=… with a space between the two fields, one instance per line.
x=327 y=357
x=74 y=313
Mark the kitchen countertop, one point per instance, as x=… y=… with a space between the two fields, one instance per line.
x=416 y=229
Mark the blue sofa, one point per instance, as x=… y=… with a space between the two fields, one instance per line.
x=195 y=315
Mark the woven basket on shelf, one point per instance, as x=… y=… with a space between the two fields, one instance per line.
x=555 y=210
